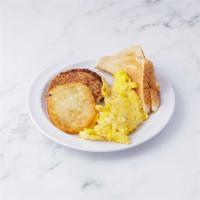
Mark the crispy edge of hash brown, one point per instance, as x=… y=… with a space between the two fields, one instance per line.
x=73 y=124
x=84 y=76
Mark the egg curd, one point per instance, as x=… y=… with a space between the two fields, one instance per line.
x=121 y=114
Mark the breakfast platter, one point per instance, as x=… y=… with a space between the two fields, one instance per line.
x=111 y=104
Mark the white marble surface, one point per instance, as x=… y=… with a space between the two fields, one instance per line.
x=35 y=34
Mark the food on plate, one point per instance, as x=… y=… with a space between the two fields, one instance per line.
x=121 y=114
x=84 y=76
x=134 y=50
x=155 y=100
x=131 y=56
x=141 y=71
x=74 y=97
x=71 y=107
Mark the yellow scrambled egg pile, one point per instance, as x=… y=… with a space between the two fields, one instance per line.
x=120 y=115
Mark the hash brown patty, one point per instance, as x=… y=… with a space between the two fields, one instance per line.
x=71 y=107
x=84 y=76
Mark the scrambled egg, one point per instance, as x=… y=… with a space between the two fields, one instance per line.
x=120 y=115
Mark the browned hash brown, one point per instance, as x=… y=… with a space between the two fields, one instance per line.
x=71 y=107
x=84 y=76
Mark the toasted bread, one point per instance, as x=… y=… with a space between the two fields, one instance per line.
x=84 y=76
x=71 y=107
x=141 y=70
x=114 y=63
x=155 y=100
x=135 y=51
x=153 y=82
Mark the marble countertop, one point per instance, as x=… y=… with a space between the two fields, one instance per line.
x=36 y=34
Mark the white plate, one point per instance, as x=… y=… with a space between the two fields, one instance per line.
x=150 y=128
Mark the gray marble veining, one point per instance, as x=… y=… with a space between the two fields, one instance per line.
x=37 y=34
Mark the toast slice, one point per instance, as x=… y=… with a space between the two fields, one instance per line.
x=135 y=51
x=114 y=63
x=141 y=70
x=155 y=100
